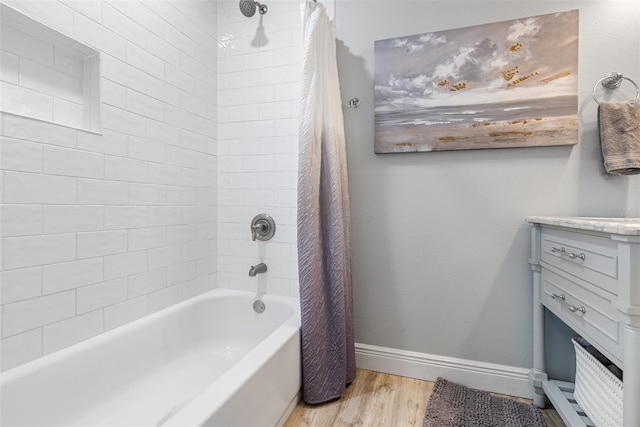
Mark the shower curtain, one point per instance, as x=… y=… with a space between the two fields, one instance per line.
x=324 y=228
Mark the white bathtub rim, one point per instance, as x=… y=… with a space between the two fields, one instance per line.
x=200 y=408
x=51 y=359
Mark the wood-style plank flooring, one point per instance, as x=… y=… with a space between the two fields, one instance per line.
x=379 y=400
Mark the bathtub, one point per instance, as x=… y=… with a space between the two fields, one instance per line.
x=208 y=361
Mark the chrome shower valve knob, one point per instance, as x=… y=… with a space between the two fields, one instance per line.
x=263 y=227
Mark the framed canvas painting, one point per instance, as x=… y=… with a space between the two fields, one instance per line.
x=505 y=84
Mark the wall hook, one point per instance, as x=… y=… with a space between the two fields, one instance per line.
x=353 y=103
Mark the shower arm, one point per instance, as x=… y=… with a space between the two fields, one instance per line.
x=262 y=8
x=248 y=8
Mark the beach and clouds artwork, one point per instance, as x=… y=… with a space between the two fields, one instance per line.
x=505 y=84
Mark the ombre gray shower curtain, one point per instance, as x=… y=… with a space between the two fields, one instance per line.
x=324 y=226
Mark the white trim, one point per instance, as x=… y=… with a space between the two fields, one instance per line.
x=492 y=377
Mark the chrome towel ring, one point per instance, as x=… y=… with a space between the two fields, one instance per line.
x=613 y=81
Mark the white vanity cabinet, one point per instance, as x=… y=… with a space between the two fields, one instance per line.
x=587 y=272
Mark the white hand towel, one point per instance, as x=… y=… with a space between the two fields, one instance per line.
x=620 y=136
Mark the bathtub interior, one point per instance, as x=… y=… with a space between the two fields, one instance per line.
x=144 y=372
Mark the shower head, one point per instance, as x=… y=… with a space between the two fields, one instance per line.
x=248 y=8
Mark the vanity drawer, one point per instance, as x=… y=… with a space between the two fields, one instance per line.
x=598 y=323
x=589 y=257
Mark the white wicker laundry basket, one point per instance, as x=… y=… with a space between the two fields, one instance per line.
x=598 y=391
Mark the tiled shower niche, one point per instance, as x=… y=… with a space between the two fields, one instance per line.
x=46 y=75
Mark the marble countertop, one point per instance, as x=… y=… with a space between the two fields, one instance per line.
x=629 y=226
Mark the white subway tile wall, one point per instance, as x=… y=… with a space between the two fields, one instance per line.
x=102 y=229
x=258 y=96
x=199 y=116
x=45 y=74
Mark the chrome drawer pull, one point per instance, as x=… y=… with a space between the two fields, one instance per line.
x=571 y=308
x=571 y=255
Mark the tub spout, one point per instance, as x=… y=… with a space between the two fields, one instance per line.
x=257 y=269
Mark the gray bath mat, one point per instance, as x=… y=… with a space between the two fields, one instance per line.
x=454 y=405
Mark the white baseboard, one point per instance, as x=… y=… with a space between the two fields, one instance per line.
x=492 y=377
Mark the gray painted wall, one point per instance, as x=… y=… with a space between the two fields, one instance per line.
x=440 y=244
